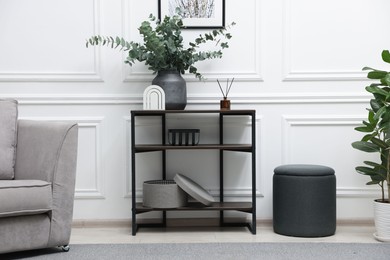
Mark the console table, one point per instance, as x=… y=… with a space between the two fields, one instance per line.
x=164 y=147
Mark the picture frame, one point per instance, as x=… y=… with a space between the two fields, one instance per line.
x=210 y=14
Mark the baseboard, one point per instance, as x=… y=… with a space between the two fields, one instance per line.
x=356 y=222
x=97 y=223
x=180 y=222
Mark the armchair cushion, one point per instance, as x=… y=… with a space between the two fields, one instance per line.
x=29 y=197
x=8 y=135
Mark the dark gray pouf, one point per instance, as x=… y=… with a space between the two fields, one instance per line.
x=304 y=200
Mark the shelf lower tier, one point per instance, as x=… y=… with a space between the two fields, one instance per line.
x=239 y=206
x=229 y=147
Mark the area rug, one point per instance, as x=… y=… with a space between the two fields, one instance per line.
x=214 y=251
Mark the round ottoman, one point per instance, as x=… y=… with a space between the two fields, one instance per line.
x=304 y=200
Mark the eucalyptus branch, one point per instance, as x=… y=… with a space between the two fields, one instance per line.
x=163 y=47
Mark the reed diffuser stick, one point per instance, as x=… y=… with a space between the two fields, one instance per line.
x=221 y=88
x=227 y=93
x=228 y=87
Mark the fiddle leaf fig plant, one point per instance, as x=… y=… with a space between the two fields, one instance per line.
x=163 y=47
x=377 y=129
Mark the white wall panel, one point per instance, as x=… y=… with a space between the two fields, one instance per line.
x=89 y=184
x=89 y=180
x=44 y=40
x=327 y=140
x=324 y=40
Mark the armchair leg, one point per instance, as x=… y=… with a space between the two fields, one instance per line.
x=65 y=248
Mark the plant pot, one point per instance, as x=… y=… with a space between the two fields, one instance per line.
x=382 y=220
x=174 y=87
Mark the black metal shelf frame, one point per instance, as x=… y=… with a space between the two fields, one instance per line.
x=249 y=207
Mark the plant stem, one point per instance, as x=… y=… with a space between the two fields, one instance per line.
x=387 y=179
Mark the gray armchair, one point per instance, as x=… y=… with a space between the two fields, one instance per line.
x=36 y=203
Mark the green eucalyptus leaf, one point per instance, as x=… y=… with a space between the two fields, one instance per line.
x=224 y=45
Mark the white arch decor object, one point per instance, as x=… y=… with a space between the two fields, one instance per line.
x=154 y=98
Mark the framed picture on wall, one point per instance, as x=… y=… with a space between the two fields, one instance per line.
x=197 y=14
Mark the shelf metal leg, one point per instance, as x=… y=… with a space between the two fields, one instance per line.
x=133 y=188
x=253 y=173
x=221 y=170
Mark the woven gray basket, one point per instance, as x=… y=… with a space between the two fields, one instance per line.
x=163 y=194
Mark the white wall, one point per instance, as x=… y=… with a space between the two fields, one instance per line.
x=298 y=63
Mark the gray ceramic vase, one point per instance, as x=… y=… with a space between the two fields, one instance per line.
x=175 y=89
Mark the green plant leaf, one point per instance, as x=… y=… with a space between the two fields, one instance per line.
x=366 y=146
x=363 y=129
x=380 y=112
x=386 y=56
x=371 y=115
x=373 y=164
x=377 y=90
x=386 y=79
x=366 y=170
x=372 y=182
x=375 y=107
x=379 y=142
x=376 y=74
x=368 y=137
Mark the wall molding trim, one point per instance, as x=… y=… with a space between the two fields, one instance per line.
x=357 y=192
x=195 y=99
x=85 y=122
x=98 y=191
x=53 y=77
x=326 y=120
x=291 y=74
x=63 y=76
x=289 y=121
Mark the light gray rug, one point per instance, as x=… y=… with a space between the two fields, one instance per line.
x=215 y=251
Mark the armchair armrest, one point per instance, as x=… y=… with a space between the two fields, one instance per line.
x=47 y=151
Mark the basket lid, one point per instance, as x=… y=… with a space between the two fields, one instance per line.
x=193 y=189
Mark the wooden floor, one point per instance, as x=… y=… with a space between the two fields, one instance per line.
x=102 y=233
